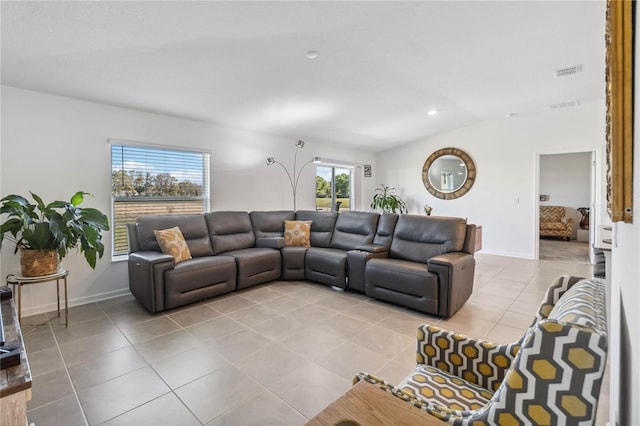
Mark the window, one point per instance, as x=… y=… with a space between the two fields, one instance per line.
x=333 y=188
x=149 y=181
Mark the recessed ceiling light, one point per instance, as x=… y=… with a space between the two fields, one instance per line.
x=311 y=54
x=432 y=112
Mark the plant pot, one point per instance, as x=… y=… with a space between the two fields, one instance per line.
x=584 y=222
x=37 y=263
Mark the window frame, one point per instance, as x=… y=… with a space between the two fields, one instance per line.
x=205 y=198
x=333 y=167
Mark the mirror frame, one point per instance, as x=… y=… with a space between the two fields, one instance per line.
x=619 y=110
x=471 y=173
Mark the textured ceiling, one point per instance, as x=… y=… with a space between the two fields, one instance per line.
x=380 y=67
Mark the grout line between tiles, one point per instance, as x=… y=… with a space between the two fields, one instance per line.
x=73 y=386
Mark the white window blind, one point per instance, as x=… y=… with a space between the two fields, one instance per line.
x=149 y=181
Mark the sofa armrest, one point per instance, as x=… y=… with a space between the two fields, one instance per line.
x=356 y=263
x=151 y=257
x=146 y=277
x=478 y=361
x=553 y=294
x=455 y=280
x=270 y=242
x=372 y=248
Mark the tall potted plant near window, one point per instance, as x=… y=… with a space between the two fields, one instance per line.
x=386 y=199
x=44 y=233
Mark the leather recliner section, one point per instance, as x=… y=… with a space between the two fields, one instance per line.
x=418 y=238
x=328 y=265
x=256 y=265
x=230 y=231
x=269 y=231
x=193 y=228
x=322 y=227
x=232 y=235
x=293 y=262
x=199 y=279
x=403 y=282
x=148 y=266
x=357 y=259
x=426 y=269
x=270 y=224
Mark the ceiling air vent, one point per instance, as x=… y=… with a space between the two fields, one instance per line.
x=567 y=104
x=567 y=71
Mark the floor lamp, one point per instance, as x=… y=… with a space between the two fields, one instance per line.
x=295 y=176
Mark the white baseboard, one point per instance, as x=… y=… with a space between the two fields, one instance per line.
x=35 y=310
x=527 y=256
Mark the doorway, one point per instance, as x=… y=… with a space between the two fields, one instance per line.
x=567 y=180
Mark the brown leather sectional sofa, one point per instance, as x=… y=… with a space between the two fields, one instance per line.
x=425 y=263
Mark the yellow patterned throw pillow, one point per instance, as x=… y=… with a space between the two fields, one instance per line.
x=172 y=242
x=297 y=232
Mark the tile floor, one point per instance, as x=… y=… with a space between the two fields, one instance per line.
x=272 y=354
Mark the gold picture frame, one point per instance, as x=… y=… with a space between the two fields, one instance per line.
x=619 y=115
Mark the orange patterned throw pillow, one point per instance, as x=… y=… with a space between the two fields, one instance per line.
x=297 y=232
x=172 y=242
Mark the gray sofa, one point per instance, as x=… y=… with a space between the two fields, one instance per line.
x=425 y=263
x=422 y=261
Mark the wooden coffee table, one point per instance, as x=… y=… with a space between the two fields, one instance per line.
x=15 y=381
x=367 y=405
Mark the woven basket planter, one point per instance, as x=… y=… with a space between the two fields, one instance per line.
x=37 y=263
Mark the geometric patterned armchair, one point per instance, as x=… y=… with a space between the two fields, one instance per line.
x=554 y=223
x=551 y=376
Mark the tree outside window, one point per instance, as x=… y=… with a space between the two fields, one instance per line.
x=333 y=188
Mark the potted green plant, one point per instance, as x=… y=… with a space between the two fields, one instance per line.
x=386 y=199
x=51 y=230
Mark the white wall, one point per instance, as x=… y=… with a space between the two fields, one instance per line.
x=566 y=179
x=504 y=198
x=624 y=341
x=55 y=146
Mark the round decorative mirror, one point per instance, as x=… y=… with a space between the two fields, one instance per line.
x=448 y=173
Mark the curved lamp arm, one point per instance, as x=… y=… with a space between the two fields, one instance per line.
x=295 y=177
x=315 y=160
x=271 y=161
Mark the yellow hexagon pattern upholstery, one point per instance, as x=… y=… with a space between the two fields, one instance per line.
x=469 y=382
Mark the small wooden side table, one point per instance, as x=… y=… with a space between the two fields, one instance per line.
x=19 y=281
x=478 y=246
x=365 y=404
